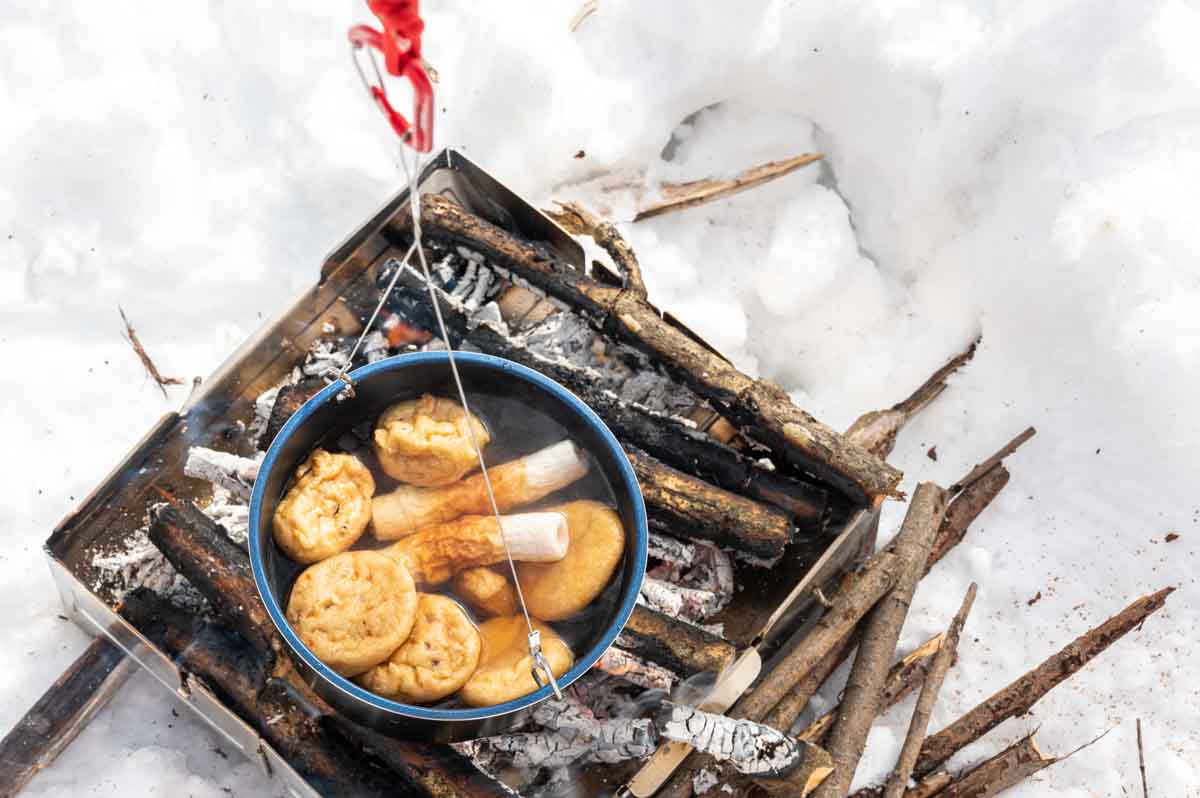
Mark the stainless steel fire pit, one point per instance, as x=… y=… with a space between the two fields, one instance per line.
x=215 y=416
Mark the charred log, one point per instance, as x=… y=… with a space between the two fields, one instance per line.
x=680 y=647
x=221 y=571
x=618 y=662
x=685 y=505
x=200 y=550
x=288 y=401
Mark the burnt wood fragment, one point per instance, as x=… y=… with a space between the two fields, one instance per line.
x=679 y=647
x=684 y=505
x=288 y=401
x=61 y=713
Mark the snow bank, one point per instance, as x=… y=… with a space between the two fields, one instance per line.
x=1024 y=170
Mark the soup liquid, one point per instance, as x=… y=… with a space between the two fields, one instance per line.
x=516 y=429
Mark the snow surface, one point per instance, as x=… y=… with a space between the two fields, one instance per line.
x=1027 y=170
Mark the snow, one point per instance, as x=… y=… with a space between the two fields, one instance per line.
x=1025 y=170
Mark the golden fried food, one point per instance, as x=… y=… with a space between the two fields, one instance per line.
x=327 y=508
x=427 y=441
x=518 y=482
x=504 y=667
x=436 y=660
x=557 y=590
x=437 y=553
x=353 y=609
x=487 y=591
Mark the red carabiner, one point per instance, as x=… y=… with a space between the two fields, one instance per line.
x=400 y=44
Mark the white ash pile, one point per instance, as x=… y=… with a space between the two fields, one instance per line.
x=137 y=562
x=547 y=328
x=688 y=580
x=566 y=735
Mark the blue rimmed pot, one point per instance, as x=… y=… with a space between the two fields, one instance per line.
x=497 y=388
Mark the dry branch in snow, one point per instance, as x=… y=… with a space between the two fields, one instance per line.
x=924 y=708
x=876 y=430
x=148 y=364
x=678 y=196
x=1017 y=698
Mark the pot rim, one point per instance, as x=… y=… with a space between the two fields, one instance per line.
x=515 y=370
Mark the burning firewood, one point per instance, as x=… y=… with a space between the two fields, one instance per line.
x=751 y=748
x=692 y=563
x=573 y=734
x=687 y=603
x=617 y=662
x=881 y=630
x=688 y=506
x=762 y=408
